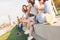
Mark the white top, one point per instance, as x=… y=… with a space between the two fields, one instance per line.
x=48 y=6
x=33 y=10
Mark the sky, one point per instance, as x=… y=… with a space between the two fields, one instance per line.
x=10 y=8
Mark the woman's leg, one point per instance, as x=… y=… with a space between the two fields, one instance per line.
x=31 y=28
x=31 y=31
x=28 y=26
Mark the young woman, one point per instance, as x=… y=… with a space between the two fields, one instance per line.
x=33 y=12
x=28 y=20
x=40 y=7
x=49 y=10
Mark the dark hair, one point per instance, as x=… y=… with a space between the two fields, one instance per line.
x=24 y=9
x=45 y=0
x=39 y=0
x=32 y=2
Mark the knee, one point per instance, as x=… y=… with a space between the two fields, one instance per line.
x=32 y=23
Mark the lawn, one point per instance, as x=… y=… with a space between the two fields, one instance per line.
x=12 y=35
x=58 y=11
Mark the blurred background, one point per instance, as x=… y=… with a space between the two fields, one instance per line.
x=57 y=4
x=10 y=9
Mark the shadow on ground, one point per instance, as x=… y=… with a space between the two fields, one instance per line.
x=16 y=35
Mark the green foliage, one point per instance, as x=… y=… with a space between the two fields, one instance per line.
x=12 y=35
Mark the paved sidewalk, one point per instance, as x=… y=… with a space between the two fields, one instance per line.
x=48 y=32
x=6 y=29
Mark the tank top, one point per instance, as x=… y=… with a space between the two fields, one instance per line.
x=33 y=10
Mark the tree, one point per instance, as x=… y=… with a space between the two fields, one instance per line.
x=57 y=3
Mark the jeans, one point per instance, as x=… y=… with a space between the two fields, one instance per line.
x=20 y=26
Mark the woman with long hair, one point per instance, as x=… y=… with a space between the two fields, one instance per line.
x=28 y=20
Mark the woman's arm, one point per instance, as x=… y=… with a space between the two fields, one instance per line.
x=28 y=11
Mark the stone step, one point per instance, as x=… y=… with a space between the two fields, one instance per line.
x=49 y=32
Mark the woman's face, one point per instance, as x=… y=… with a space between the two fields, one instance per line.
x=25 y=8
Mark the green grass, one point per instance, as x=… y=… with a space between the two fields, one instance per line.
x=12 y=35
x=5 y=36
x=58 y=11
